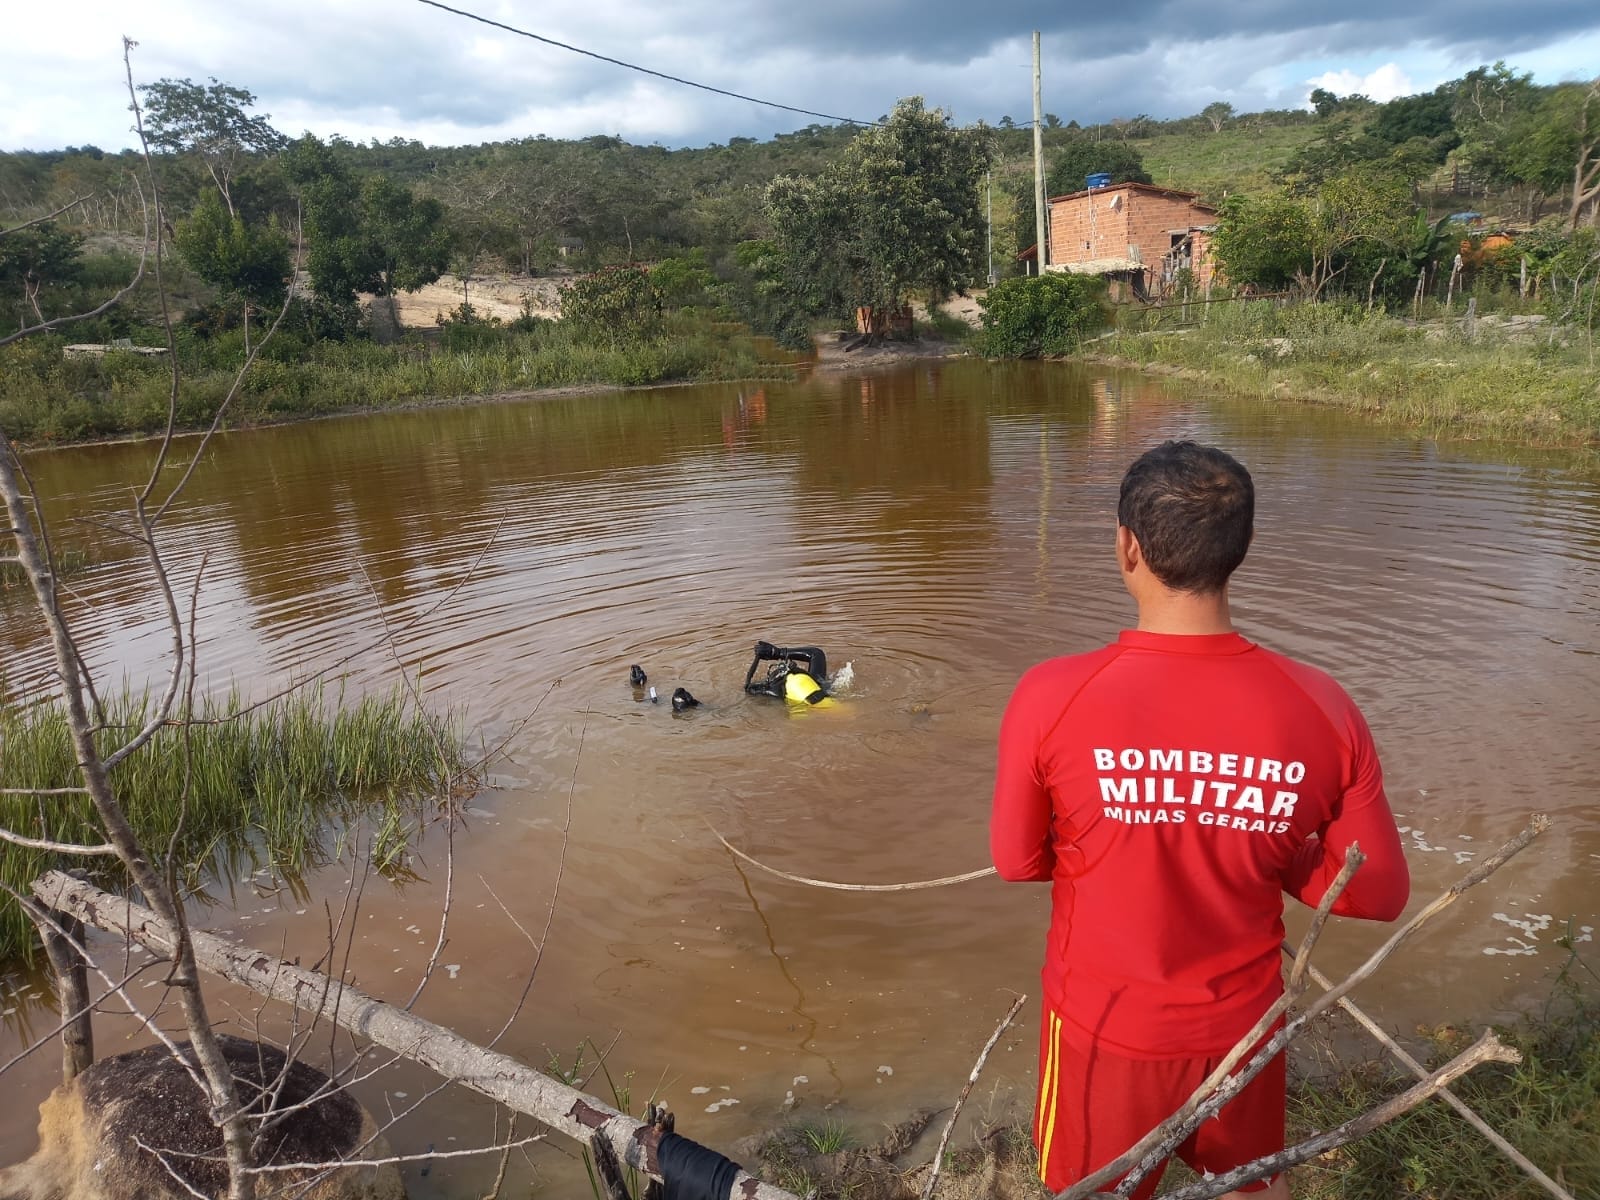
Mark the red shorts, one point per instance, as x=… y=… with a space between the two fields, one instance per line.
x=1094 y=1106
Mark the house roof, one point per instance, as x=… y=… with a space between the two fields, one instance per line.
x=1151 y=189
x=1097 y=266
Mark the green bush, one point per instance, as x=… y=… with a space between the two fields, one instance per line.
x=619 y=304
x=1042 y=314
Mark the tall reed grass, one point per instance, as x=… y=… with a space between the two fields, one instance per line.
x=274 y=788
x=46 y=398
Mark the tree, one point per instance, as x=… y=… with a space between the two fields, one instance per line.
x=1429 y=116
x=371 y=235
x=1323 y=102
x=1263 y=241
x=1217 y=114
x=1489 y=103
x=900 y=210
x=1559 y=147
x=1359 y=218
x=211 y=122
x=35 y=261
x=620 y=304
x=1031 y=315
x=1076 y=161
x=249 y=264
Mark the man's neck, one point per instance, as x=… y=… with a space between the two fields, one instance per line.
x=1185 y=613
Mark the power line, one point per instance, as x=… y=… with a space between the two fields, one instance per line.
x=704 y=87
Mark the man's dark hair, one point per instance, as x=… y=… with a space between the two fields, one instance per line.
x=1192 y=508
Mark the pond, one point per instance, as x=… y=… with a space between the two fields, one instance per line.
x=939 y=528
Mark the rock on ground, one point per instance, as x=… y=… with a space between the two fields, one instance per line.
x=90 y=1132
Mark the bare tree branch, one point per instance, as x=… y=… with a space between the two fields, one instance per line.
x=98 y=310
x=74 y=848
x=1156 y=1146
x=488 y=1072
x=1494 y=1138
x=955 y=1113
x=1488 y=1048
x=49 y=216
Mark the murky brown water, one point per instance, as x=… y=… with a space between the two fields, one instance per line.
x=941 y=528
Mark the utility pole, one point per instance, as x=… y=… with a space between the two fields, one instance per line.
x=1041 y=254
x=988 y=179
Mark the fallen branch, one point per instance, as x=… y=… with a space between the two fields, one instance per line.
x=977 y=1068
x=1486 y=1049
x=1421 y=1072
x=498 y=1076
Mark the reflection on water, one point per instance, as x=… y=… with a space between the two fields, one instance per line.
x=942 y=528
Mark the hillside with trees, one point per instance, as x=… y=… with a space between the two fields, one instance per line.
x=1343 y=199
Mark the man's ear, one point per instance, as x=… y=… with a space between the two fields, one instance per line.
x=1129 y=555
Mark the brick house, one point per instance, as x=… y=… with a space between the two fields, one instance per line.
x=1138 y=235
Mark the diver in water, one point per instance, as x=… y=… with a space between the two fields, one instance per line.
x=798 y=674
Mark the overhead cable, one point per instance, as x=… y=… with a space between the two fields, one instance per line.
x=704 y=87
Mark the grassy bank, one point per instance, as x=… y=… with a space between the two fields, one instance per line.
x=261 y=787
x=1539 y=385
x=46 y=397
x=1548 y=1107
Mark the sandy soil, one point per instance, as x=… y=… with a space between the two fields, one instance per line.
x=491 y=295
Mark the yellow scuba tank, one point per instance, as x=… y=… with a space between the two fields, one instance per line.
x=800 y=688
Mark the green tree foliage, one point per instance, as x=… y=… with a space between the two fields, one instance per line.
x=618 y=305
x=39 y=268
x=1491 y=105
x=250 y=263
x=1263 y=241
x=369 y=235
x=1429 y=116
x=900 y=211
x=1217 y=114
x=1361 y=221
x=685 y=281
x=1028 y=316
x=1076 y=161
x=1335 y=239
x=212 y=122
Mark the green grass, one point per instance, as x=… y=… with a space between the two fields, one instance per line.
x=1238 y=158
x=827 y=1136
x=263 y=789
x=68 y=563
x=1543 y=389
x=1548 y=1107
x=46 y=398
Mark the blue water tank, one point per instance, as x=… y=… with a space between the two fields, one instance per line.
x=1099 y=179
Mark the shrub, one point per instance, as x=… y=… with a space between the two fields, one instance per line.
x=619 y=303
x=1041 y=314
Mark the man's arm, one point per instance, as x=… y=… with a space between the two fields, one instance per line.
x=1019 y=827
x=1379 y=890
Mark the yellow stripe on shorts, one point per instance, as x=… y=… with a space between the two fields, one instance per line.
x=1048 y=1079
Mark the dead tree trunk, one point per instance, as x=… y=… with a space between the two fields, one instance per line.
x=72 y=990
x=498 y=1076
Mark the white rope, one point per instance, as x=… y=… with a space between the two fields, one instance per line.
x=915 y=886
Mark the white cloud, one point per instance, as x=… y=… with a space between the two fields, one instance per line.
x=1383 y=84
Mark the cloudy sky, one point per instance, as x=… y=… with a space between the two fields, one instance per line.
x=386 y=68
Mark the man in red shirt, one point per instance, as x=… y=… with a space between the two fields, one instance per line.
x=1172 y=786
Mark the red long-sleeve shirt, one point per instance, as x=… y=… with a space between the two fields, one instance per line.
x=1172 y=788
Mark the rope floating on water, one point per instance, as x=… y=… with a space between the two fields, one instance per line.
x=915 y=886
